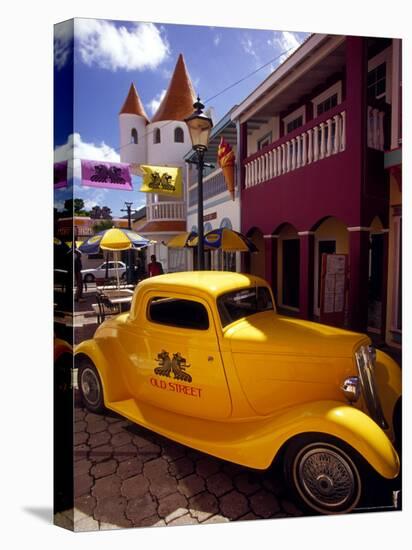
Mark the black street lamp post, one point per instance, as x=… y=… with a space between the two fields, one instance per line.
x=129 y=252
x=199 y=126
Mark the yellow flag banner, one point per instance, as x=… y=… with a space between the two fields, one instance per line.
x=163 y=180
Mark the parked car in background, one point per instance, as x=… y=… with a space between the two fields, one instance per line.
x=99 y=273
x=204 y=359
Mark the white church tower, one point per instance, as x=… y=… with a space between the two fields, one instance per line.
x=133 y=123
x=163 y=141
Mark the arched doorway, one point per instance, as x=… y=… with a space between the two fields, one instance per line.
x=256 y=263
x=331 y=237
x=288 y=267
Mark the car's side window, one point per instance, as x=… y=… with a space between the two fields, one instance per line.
x=178 y=313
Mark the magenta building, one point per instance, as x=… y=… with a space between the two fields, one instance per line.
x=312 y=141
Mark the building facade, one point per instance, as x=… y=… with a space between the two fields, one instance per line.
x=393 y=165
x=312 y=138
x=162 y=140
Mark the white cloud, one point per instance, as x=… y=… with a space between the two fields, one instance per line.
x=153 y=105
x=102 y=43
x=287 y=42
x=217 y=39
x=63 y=43
x=250 y=49
x=77 y=149
x=97 y=197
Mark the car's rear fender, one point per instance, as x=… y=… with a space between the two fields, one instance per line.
x=114 y=388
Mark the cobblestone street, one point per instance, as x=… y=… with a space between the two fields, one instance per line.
x=126 y=476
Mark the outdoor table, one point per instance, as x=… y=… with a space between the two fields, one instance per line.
x=119 y=296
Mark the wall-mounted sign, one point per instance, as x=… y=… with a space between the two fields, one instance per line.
x=110 y=175
x=163 y=180
x=211 y=216
x=60 y=174
x=333 y=288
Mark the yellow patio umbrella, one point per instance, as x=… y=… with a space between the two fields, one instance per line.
x=77 y=243
x=114 y=239
x=227 y=240
x=182 y=240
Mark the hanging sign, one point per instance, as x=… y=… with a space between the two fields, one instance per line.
x=108 y=175
x=226 y=160
x=333 y=288
x=60 y=174
x=162 y=180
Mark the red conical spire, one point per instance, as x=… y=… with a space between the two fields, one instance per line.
x=133 y=105
x=180 y=96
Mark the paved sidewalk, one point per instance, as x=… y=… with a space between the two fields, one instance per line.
x=126 y=476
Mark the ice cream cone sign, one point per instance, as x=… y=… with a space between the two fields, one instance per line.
x=226 y=160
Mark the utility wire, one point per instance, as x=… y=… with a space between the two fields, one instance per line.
x=211 y=97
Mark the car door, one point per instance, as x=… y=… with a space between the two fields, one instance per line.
x=175 y=356
x=101 y=271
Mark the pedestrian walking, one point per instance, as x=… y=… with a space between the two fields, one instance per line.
x=78 y=276
x=155 y=267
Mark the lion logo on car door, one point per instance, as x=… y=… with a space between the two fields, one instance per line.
x=175 y=366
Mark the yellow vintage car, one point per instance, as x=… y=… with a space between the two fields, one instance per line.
x=204 y=359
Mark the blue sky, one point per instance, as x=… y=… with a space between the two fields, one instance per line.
x=109 y=55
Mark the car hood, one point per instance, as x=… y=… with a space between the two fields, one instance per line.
x=268 y=332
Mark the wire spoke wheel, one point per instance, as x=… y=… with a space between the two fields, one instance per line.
x=325 y=478
x=91 y=388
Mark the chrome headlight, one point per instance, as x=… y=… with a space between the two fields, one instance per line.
x=365 y=360
x=351 y=388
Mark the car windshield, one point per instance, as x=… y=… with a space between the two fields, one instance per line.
x=243 y=302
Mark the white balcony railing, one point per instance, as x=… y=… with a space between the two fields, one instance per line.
x=167 y=211
x=376 y=131
x=323 y=140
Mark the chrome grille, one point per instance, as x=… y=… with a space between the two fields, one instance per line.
x=365 y=363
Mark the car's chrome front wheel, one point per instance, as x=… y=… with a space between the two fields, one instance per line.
x=91 y=387
x=323 y=476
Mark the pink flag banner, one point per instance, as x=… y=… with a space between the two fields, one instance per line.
x=110 y=175
x=60 y=174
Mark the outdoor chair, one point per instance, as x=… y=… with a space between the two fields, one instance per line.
x=105 y=308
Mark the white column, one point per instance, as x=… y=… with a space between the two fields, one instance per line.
x=304 y=149
x=322 y=140
x=298 y=151
x=381 y=134
x=247 y=175
x=270 y=165
x=288 y=156
x=369 y=118
x=336 y=144
x=375 y=113
x=315 y=143
x=343 y=135
x=329 y=143
x=293 y=159
x=283 y=158
x=280 y=160
x=266 y=162
x=310 y=145
x=275 y=164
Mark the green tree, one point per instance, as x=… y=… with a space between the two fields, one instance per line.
x=102 y=225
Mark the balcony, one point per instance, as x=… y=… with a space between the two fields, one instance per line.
x=378 y=127
x=318 y=139
x=166 y=211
